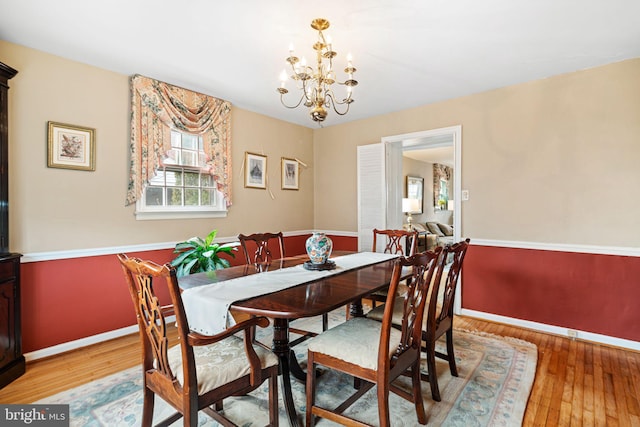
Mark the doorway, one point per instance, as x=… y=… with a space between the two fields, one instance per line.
x=427 y=146
x=436 y=139
x=381 y=183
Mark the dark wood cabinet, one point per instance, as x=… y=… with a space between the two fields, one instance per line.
x=6 y=73
x=12 y=363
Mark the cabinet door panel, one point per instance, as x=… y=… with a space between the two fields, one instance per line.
x=7 y=325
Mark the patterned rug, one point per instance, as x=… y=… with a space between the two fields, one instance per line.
x=492 y=389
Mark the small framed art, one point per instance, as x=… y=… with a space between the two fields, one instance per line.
x=290 y=170
x=71 y=147
x=255 y=170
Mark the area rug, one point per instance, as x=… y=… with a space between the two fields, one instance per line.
x=495 y=378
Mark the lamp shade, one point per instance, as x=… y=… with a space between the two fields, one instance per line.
x=411 y=205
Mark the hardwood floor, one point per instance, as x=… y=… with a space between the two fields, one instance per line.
x=577 y=383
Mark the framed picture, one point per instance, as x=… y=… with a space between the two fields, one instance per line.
x=415 y=189
x=255 y=170
x=290 y=170
x=71 y=147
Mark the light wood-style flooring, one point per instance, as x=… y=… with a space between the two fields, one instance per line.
x=577 y=383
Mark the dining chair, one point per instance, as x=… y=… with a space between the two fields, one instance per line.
x=403 y=242
x=262 y=256
x=260 y=241
x=373 y=351
x=438 y=320
x=200 y=371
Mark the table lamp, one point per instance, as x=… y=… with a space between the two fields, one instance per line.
x=410 y=206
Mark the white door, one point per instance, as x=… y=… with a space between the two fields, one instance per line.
x=371 y=193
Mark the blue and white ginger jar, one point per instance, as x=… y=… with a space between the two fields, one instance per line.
x=319 y=248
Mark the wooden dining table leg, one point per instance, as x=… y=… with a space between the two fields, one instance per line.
x=356 y=309
x=283 y=350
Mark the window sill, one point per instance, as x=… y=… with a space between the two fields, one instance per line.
x=192 y=214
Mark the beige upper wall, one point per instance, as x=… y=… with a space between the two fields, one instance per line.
x=59 y=209
x=551 y=161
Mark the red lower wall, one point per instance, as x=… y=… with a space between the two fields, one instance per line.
x=69 y=299
x=586 y=292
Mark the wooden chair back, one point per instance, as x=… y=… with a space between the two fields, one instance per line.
x=418 y=286
x=441 y=304
x=152 y=316
x=256 y=247
x=401 y=242
x=397 y=242
x=439 y=313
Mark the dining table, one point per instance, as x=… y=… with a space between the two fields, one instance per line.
x=316 y=294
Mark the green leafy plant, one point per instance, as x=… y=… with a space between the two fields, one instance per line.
x=198 y=255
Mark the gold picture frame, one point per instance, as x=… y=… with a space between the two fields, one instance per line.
x=255 y=170
x=290 y=174
x=71 y=147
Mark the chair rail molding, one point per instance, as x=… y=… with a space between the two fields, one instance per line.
x=560 y=247
x=112 y=250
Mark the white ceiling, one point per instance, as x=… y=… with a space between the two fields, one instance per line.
x=408 y=53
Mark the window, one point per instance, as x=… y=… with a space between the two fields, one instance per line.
x=183 y=185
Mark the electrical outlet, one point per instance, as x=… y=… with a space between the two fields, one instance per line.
x=572 y=334
x=465 y=195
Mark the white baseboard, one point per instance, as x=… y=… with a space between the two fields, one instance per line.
x=555 y=330
x=83 y=342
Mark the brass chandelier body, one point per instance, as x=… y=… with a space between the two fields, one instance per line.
x=316 y=84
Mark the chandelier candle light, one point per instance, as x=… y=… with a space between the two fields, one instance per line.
x=316 y=84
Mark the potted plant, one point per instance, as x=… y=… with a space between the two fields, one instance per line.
x=198 y=255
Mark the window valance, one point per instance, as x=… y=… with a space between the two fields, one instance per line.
x=158 y=107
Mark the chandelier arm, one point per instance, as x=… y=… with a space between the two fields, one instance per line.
x=331 y=95
x=293 y=106
x=331 y=100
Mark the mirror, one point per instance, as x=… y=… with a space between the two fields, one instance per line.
x=415 y=190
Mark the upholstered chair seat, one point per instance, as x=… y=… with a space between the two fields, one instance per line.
x=352 y=342
x=220 y=363
x=378 y=312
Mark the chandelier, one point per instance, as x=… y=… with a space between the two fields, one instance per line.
x=316 y=84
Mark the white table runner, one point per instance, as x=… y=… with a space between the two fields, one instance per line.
x=207 y=306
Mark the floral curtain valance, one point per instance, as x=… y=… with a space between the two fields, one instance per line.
x=158 y=107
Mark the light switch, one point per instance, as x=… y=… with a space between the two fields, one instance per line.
x=465 y=195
